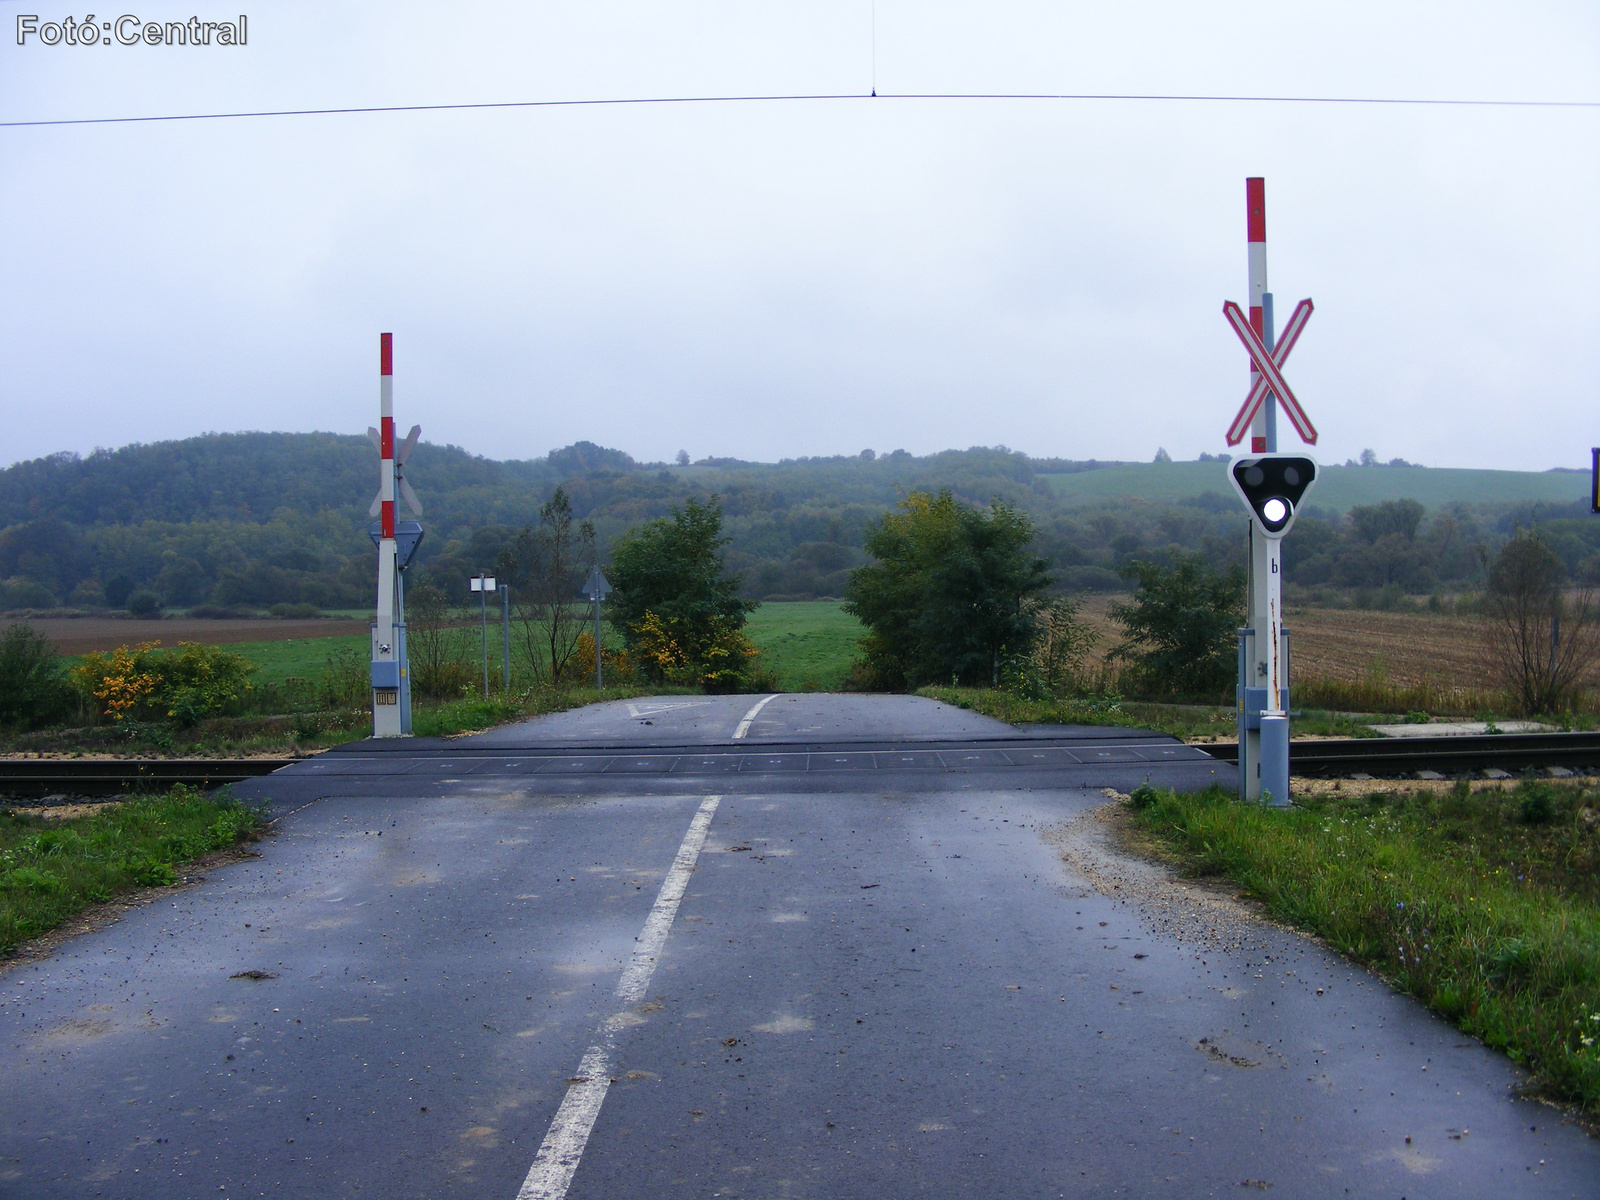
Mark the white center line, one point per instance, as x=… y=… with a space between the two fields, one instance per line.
x=563 y=1146
x=744 y=725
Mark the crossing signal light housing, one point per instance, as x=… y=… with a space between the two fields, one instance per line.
x=1271 y=486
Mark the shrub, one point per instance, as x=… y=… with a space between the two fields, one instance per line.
x=1180 y=628
x=22 y=592
x=447 y=679
x=346 y=680
x=143 y=603
x=119 y=682
x=1542 y=639
x=33 y=685
x=185 y=685
x=1144 y=796
x=219 y=612
x=618 y=666
x=1538 y=804
x=197 y=681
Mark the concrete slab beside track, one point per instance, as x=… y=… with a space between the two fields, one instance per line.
x=881 y=978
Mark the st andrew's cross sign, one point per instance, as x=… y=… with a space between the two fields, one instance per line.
x=1268 y=365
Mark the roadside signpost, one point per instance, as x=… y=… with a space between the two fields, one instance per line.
x=1272 y=486
x=597 y=589
x=483 y=585
x=505 y=634
x=397 y=543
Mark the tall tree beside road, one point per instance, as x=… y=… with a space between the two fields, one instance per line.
x=948 y=597
x=546 y=566
x=1543 y=639
x=674 y=600
x=1180 y=629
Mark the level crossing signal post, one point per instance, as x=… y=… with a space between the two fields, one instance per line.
x=397 y=543
x=1271 y=486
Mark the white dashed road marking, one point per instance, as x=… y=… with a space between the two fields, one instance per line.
x=744 y=725
x=563 y=1146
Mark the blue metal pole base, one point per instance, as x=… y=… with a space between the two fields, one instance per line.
x=1275 y=758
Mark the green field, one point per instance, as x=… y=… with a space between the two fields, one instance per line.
x=1340 y=488
x=302 y=658
x=808 y=644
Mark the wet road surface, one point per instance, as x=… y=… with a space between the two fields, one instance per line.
x=870 y=981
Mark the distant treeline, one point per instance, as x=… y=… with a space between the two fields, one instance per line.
x=257 y=519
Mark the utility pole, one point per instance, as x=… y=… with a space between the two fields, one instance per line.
x=597 y=589
x=505 y=631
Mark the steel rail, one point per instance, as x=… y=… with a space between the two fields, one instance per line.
x=1447 y=755
x=1380 y=757
x=112 y=776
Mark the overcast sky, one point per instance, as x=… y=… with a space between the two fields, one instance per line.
x=770 y=280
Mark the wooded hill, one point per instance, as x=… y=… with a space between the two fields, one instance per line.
x=264 y=518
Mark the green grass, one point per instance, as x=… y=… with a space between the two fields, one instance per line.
x=299 y=658
x=1191 y=722
x=807 y=644
x=1485 y=905
x=51 y=870
x=1339 y=488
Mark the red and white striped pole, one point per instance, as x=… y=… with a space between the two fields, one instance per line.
x=386 y=427
x=1262 y=426
x=387 y=665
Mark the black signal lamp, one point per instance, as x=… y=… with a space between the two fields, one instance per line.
x=1271 y=486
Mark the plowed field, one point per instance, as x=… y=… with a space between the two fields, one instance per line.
x=83 y=634
x=1409 y=649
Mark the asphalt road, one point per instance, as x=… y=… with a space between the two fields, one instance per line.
x=524 y=964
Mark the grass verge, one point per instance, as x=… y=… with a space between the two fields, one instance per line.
x=307 y=732
x=1191 y=722
x=1484 y=905
x=51 y=870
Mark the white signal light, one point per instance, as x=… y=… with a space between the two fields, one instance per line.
x=1272 y=486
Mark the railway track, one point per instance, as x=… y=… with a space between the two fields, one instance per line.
x=1449 y=756
x=1378 y=757
x=115 y=776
